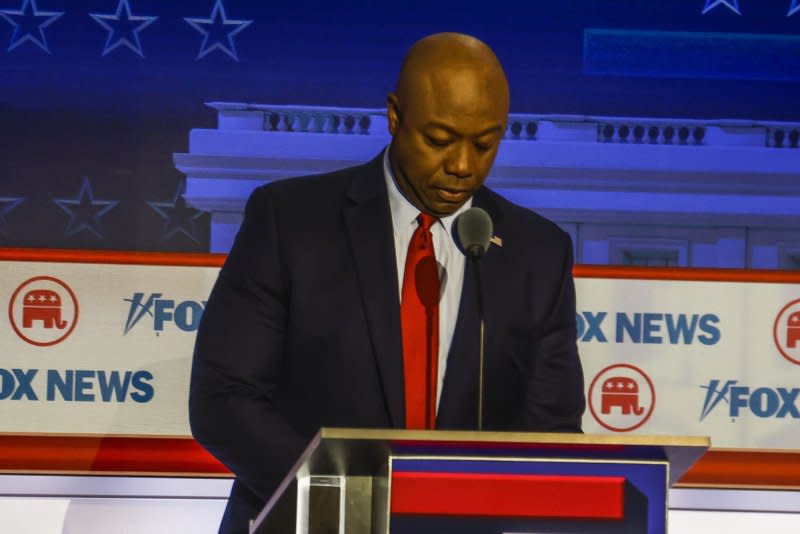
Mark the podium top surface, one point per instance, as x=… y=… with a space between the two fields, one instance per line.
x=361 y=451
x=532 y=438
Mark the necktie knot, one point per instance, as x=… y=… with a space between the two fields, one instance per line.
x=426 y=220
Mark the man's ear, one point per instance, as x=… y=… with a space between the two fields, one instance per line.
x=392 y=112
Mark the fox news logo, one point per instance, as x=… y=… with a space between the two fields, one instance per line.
x=76 y=385
x=762 y=402
x=648 y=328
x=184 y=314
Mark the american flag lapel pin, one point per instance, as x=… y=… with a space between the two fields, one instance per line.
x=496 y=241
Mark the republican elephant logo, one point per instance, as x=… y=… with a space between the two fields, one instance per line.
x=786 y=332
x=621 y=392
x=43 y=311
x=42 y=305
x=793 y=330
x=621 y=398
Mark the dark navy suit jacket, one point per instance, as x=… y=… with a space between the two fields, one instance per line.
x=302 y=330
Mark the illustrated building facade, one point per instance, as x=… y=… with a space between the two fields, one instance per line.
x=629 y=190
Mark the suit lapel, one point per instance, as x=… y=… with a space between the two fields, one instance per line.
x=369 y=229
x=461 y=374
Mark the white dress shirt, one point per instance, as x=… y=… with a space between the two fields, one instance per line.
x=449 y=259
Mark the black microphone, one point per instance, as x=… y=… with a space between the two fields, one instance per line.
x=474 y=230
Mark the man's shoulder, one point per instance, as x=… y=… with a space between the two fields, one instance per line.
x=328 y=185
x=516 y=218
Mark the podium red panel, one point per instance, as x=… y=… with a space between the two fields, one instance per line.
x=507 y=495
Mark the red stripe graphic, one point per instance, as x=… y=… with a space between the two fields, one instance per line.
x=37 y=453
x=499 y=495
x=580 y=271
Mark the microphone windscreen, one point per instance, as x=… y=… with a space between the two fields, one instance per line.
x=474 y=230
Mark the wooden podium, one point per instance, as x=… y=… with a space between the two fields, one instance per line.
x=425 y=482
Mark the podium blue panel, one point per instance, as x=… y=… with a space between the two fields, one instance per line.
x=528 y=450
x=646 y=494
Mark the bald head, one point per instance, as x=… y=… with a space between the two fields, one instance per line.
x=445 y=52
x=447 y=117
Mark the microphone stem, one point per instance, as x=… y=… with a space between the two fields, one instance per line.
x=481 y=347
x=480 y=389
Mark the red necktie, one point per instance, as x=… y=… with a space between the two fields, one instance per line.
x=419 y=317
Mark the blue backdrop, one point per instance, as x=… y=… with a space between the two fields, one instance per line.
x=96 y=96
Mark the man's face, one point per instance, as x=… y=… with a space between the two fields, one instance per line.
x=445 y=134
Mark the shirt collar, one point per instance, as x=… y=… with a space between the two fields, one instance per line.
x=404 y=213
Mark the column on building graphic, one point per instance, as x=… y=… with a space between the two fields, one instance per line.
x=629 y=190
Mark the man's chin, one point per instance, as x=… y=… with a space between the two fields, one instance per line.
x=456 y=198
x=442 y=209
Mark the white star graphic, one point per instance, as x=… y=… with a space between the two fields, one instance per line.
x=733 y=5
x=123 y=28
x=26 y=25
x=218 y=30
x=7 y=205
x=178 y=217
x=84 y=211
x=794 y=7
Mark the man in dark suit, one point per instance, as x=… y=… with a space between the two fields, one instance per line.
x=307 y=325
